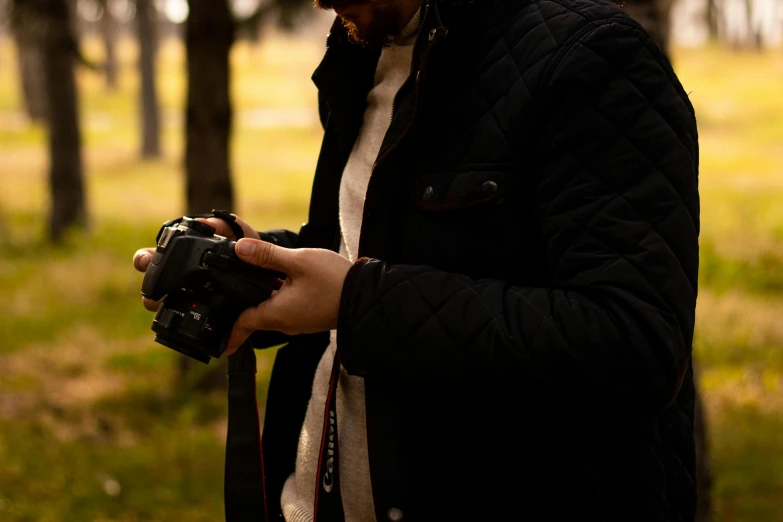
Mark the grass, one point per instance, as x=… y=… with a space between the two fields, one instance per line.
x=95 y=425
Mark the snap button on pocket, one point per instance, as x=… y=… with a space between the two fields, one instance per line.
x=448 y=189
x=489 y=187
x=394 y=514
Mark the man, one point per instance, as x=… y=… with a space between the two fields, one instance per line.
x=503 y=241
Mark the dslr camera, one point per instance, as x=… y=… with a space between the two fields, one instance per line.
x=205 y=285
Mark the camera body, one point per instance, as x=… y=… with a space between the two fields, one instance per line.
x=205 y=285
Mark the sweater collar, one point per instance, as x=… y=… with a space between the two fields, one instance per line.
x=408 y=33
x=347 y=67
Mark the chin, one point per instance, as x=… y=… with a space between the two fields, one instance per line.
x=369 y=35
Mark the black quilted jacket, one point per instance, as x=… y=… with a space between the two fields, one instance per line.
x=524 y=312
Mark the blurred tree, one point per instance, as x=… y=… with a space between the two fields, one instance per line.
x=108 y=31
x=714 y=13
x=66 y=177
x=753 y=35
x=146 y=30
x=26 y=31
x=54 y=35
x=209 y=34
x=655 y=17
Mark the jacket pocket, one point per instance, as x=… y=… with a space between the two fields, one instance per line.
x=476 y=186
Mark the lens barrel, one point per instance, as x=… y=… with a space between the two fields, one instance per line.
x=175 y=343
x=185 y=323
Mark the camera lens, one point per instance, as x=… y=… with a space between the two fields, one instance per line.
x=173 y=342
x=187 y=324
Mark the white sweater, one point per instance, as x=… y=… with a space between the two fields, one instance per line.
x=298 y=496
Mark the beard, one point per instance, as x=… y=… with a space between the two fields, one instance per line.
x=375 y=29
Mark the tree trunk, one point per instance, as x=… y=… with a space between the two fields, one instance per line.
x=654 y=16
x=146 y=20
x=66 y=179
x=753 y=37
x=713 y=15
x=32 y=78
x=108 y=34
x=27 y=31
x=209 y=34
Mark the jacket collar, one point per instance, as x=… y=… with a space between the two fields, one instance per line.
x=349 y=68
x=345 y=67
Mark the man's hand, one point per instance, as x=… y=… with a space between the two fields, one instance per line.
x=141 y=259
x=307 y=302
x=222 y=228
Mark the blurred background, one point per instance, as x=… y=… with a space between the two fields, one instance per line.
x=116 y=115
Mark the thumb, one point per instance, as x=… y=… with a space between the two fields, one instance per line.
x=266 y=255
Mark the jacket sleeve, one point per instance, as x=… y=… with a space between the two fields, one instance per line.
x=263 y=338
x=617 y=207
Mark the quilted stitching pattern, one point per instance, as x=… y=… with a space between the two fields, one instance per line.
x=576 y=95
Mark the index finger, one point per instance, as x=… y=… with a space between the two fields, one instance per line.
x=249 y=321
x=220 y=226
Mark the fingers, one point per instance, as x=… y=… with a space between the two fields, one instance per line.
x=267 y=255
x=223 y=229
x=235 y=340
x=259 y=318
x=243 y=328
x=151 y=305
x=249 y=231
x=141 y=259
x=220 y=226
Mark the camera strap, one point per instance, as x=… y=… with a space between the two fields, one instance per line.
x=244 y=489
x=328 y=499
x=244 y=484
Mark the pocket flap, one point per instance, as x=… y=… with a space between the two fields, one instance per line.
x=460 y=190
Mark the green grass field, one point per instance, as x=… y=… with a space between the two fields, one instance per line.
x=94 y=425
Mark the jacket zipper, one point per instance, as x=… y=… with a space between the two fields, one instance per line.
x=417 y=96
x=410 y=74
